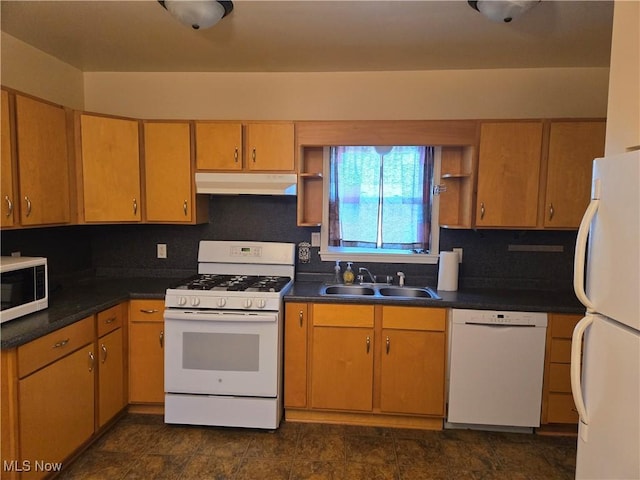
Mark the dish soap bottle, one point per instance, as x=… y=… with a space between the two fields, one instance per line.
x=337 y=277
x=348 y=275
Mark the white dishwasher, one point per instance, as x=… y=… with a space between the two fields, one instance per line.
x=496 y=365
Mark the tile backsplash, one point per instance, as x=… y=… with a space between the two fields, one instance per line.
x=490 y=259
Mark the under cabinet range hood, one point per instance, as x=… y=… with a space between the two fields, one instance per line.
x=246 y=183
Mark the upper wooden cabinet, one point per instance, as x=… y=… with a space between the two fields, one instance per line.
x=168 y=175
x=509 y=174
x=7 y=211
x=110 y=166
x=43 y=162
x=265 y=146
x=536 y=175
x=572 y=147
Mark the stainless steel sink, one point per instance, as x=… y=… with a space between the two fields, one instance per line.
x=348 y=290
x=379 y=291
x=410 y=292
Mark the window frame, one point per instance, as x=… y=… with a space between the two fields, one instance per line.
x=371 y=255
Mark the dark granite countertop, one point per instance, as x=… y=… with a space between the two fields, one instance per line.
x=479 y=299
x=73 y=302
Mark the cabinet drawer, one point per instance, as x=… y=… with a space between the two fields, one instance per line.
x=560 y=377
x=55 y=345
x=340 y=315
x=562 y=325
x=109 y=320
x=414 y=318
x=146 y=310
x=560 y=350
x=561 y=409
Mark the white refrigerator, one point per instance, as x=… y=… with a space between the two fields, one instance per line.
x=605 y=350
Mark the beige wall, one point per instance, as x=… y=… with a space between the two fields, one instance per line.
x=451 y=94
x=32 y=71
x=623 y=125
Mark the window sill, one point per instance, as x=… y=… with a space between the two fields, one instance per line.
x=355 y=255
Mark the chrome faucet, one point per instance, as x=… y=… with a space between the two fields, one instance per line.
x=361 y=277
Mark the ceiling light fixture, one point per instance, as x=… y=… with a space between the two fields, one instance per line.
x=197 y=14
x=502 y=10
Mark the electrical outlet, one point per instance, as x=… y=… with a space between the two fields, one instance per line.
x=459 y=252
x=16 y=254
x=162 y=250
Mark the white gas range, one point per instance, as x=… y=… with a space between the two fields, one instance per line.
x=223 y=336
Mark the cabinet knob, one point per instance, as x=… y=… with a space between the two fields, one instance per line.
x=9 y=205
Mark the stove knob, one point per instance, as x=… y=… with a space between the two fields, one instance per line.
x=182 y=301
x=261 y=303
x=247 y=303
x=195 y=301
x=221 y=302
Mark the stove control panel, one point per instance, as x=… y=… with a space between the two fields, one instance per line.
x=228 y=302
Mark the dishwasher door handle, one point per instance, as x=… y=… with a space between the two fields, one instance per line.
x=499 y=325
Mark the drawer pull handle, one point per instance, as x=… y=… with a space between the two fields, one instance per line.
x=482 y=210
x=388 y=345
x=110 y=320
x=26 y=199
x=368 y=344
x=61 y=343
x=162 y=339
x=185 y=207
x=300 y=317
x=253 y=155
x=235 y=155
x=551 y=211
x=149 y=311
x=92 y=361
x=135 y=206
x=104 y=352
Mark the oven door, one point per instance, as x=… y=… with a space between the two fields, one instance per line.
x=222 y=353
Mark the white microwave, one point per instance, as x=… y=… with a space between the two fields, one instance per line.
x=24 y=286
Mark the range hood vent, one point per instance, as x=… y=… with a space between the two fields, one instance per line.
x=246 y=183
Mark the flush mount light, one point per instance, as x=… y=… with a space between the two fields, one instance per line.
x=197 y=14
x=502 y=10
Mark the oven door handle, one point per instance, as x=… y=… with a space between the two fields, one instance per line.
x=226 y=316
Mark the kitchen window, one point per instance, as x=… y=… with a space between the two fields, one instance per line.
x=378 y=204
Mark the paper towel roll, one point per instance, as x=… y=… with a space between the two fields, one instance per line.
x=448 y=271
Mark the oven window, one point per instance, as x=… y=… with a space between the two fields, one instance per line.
x=236 y=352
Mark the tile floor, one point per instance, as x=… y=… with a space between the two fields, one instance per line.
x=143 y=447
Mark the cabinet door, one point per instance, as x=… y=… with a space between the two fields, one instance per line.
x=111 y=398
x=6 y=172
x=218 y=146
x=56 y=414
x=43 y=162
x=146 y=362
x=110 y=169
x=572 y=148
x=412 y=372
x=509 y=174
x=342 y=363
x=295 y=354
x=270 y=146
x=168 y=175
x=146 y=351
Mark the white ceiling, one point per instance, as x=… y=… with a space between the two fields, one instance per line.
x=303 y=36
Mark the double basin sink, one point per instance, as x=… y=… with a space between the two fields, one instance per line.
x=384 y=290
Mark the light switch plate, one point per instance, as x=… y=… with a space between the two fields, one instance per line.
x=162 y=250
x=315 y=239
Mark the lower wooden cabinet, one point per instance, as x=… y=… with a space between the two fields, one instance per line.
x=557 y=401
x=60 y=390
x=365 y=364
x=413 y=360
x=146 y=351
